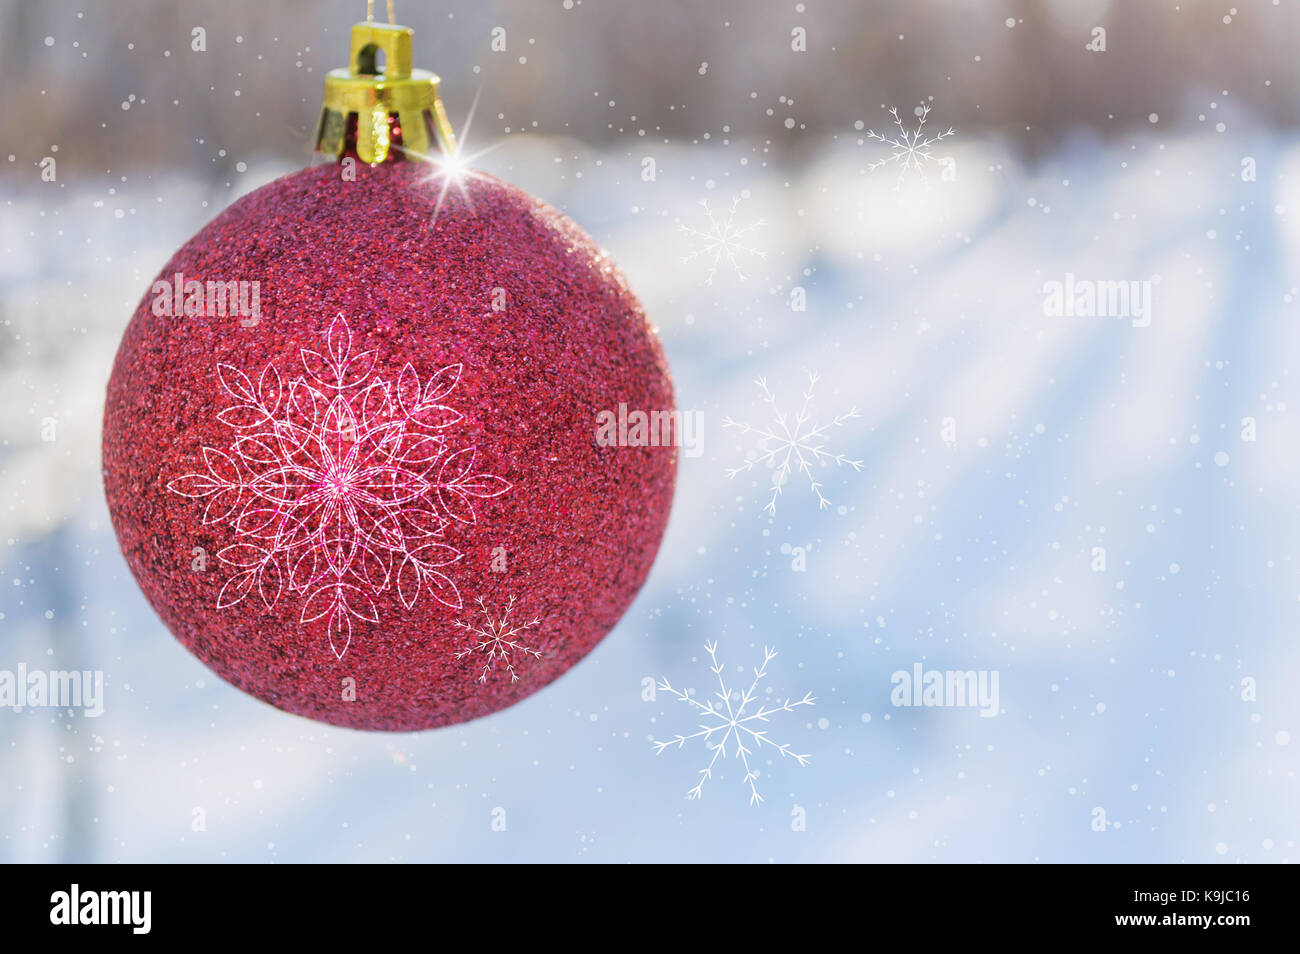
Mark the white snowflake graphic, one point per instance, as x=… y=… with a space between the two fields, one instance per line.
x=789 y=444
x=338 y=487
x=498 y=640
x=725 y=713
x=911 y=150
x=723 y=243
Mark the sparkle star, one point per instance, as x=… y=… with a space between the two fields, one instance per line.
x=452 y=168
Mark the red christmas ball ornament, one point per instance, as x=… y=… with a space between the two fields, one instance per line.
x=350 y=439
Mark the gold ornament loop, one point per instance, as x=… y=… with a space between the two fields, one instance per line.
x=394 y=96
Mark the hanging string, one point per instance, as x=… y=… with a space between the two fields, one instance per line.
x=370 y=12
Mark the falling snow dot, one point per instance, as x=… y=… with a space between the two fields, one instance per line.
x=1283 y=737
x=1221 y=848
x=49 y=41
x=1153 y=118
x=1221 y=459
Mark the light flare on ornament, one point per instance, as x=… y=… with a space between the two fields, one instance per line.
x=454 y=166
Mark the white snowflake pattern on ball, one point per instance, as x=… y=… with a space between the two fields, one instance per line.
x=792 y=443
x=340 y=487
x=498 y=641
x=912 y=150
x=722 y=242
x=725 y=712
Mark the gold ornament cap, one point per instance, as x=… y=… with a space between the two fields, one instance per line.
x=368 y=110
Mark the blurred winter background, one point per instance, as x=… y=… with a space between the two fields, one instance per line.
x=1103 y=513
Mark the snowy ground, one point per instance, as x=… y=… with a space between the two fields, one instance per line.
x=1000 y=448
